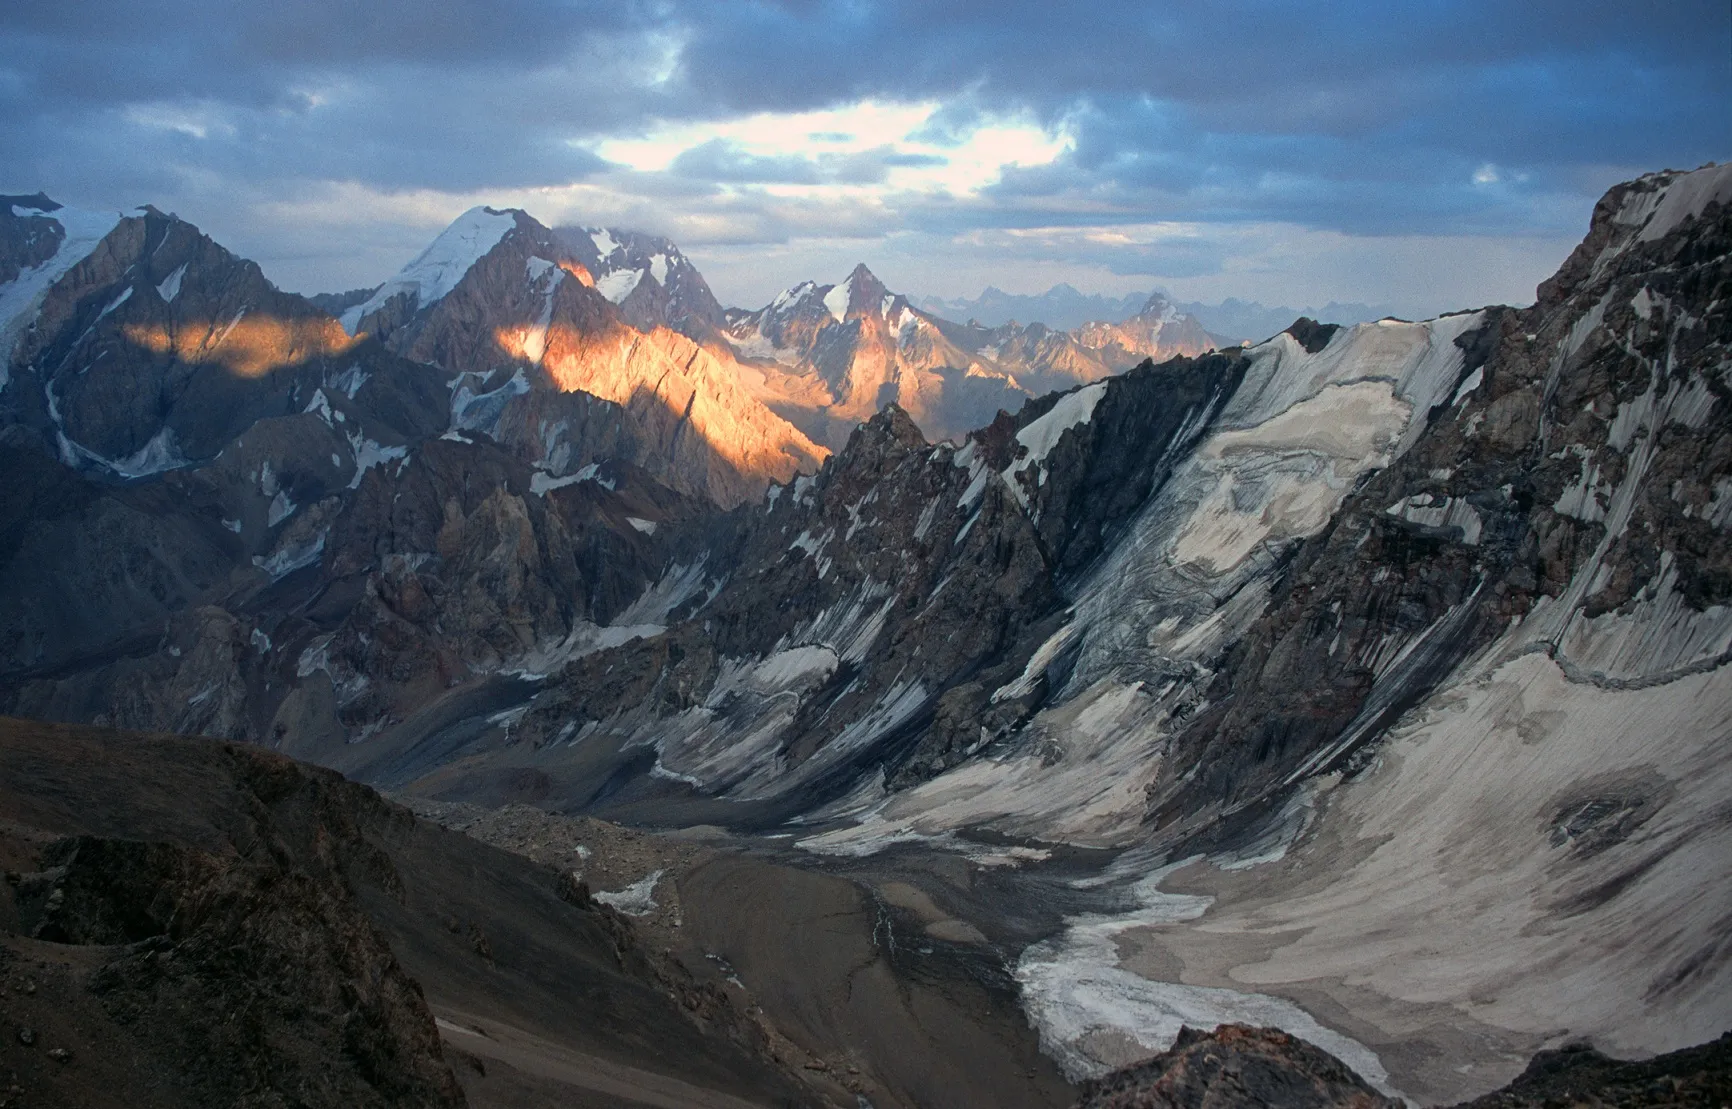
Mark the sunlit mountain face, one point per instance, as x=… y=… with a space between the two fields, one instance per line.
x=792 y=555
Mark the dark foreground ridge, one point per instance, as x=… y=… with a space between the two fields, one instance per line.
x=1240 y=1066
x=191 y=923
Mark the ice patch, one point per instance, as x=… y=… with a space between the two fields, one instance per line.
x=159 y=455
x=584 y=638
x=1075 y=993
x=291 y=557
x=647 y=527
x=125 y=295
x=281 y=508
x=1684 y=197
x=1037 y=664
x=836 y=300
x=351 y=380
x=369 y=454
x=170 y=287
x=635 y=899
x=616 y=286
x=605 y=244
x=679 y=584
x=473 y=411
x=320 y=405
x=1468 y=385
x=793 y=667
x=542 y=483
x=1042 y=435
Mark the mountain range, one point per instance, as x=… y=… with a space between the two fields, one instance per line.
x=1368 y=682
x=1062 y=306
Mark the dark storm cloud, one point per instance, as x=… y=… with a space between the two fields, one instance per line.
x=1471 y=117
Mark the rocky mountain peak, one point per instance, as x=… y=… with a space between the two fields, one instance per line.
x=865 y=292
x=1646 y=210
x=1157 y=306
x=893 y=422
x=1310 y=334
x=648 y=278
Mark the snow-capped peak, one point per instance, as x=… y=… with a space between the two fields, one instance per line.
x=438 y=269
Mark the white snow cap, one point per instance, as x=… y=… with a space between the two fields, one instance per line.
x=438 y=269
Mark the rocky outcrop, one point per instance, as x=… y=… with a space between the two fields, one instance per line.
x=1239 y=1065
x=1578 y=1075
x=237 y=965
x=1232 y=1066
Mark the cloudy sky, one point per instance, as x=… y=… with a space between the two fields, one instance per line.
x=1425 y=155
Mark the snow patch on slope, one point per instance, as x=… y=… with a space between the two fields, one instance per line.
x=836 y=300
x=170 y=286
x=1042 y=435
x=618 y=285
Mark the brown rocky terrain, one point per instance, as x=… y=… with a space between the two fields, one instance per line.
x=193 y=923
x=1237 y=1065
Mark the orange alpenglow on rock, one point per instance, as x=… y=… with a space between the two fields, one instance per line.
x=663 y=377
x=249 y=346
